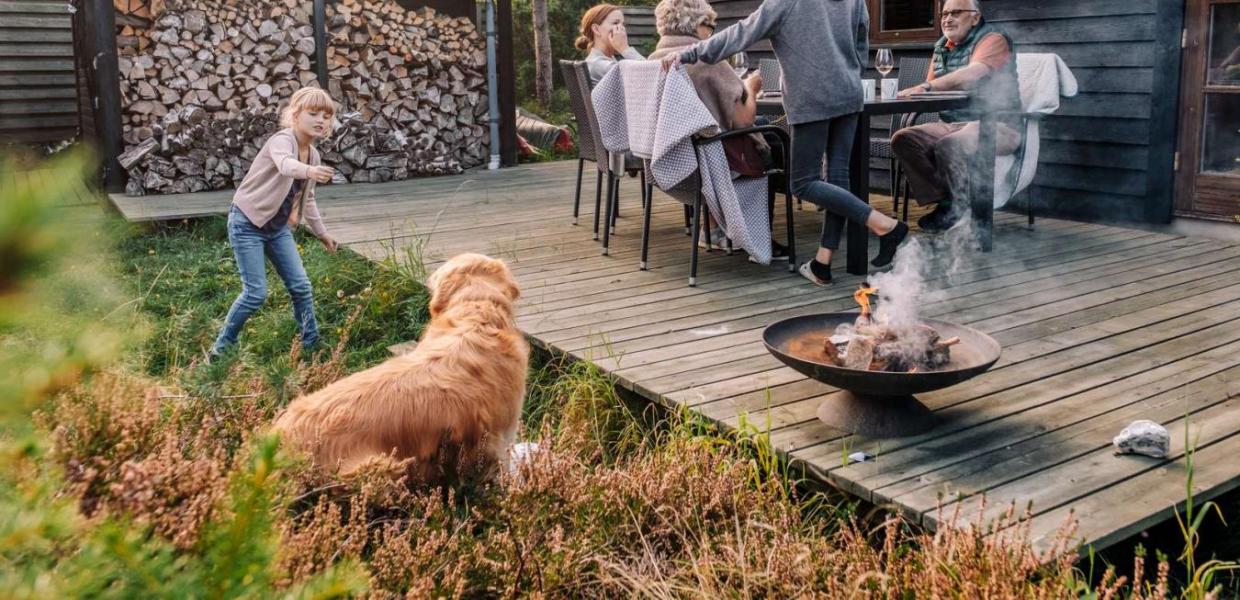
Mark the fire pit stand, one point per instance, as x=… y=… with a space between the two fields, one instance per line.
x=879 y=403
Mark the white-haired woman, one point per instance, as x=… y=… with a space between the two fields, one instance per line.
x=731 y=100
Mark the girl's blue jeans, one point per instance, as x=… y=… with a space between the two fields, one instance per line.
x=251 y=246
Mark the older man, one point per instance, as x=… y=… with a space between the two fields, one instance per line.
x=974 y=56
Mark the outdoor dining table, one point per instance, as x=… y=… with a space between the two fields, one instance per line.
x=981 y=186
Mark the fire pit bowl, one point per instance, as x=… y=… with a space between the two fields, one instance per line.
x=879 y=403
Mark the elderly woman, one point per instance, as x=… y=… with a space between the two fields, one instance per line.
x=682 y=23
x=732 y=101
x=603 y=34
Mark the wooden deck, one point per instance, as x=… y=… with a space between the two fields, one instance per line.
x=1099 y=325
x=21 y=178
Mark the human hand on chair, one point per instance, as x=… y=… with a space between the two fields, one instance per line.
x=671 y=61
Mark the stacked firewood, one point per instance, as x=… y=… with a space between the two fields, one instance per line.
x=416 y=79
x=203 y=82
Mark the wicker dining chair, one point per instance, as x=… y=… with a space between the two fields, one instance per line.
x=588 y=143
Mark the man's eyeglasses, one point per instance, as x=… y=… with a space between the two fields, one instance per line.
x=710 y=26
x=955 y=14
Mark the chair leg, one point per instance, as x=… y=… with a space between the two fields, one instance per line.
x=1029 y=206
x=706 y=225
x=792 y=242
x=647 y=201
x=895 y=183
x=643 y=180
x=615 y=202
x=581 y=163
x=697 y=232
x=908 y=194
x=688 y=220
x=608 y=217
x=598 y=203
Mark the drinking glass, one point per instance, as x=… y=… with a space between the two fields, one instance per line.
x=738 y=62
x=883 y=61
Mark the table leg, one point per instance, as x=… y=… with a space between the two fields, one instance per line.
x=982 y=185
x=859 y=185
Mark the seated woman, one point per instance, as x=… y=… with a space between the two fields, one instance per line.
x=731 y=100
x=603 y=34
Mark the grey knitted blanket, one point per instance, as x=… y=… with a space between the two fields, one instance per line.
x=654 y=115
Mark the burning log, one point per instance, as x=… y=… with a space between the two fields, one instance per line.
x=870 y=346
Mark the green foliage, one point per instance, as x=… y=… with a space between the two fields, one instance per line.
x=62 y=318
x=1201 y=583
x=184 y=278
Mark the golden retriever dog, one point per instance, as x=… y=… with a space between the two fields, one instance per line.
x=452 y=403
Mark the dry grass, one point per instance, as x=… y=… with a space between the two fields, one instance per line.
x=610 y=506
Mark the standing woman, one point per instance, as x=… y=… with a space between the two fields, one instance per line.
x=603 y=34
x=276 y=192
x=822 y=47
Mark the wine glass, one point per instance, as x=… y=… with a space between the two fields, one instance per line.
x=738 y=62
x=883 y=62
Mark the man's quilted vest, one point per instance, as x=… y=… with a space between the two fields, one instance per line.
x=997 y=91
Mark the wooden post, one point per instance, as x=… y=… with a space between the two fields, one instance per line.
x=507 y=84
x=1164 y=112
x=100 y=32
x=320 y=42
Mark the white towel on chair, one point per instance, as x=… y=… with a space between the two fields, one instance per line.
x=1044 y=78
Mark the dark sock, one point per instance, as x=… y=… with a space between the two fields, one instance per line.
x=820 y=270
x=888 y=243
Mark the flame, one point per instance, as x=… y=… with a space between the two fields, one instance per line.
x=862 y=296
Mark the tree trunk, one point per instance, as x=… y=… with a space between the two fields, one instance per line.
x=542 y=54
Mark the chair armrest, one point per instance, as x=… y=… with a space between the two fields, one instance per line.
x=784 y=138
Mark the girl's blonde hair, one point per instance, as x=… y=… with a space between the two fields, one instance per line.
x=307 y=98
x=595 y=16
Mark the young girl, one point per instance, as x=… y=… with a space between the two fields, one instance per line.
x=603 y=34
x=276 y=192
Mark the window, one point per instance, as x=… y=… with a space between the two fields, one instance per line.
x=903 y=21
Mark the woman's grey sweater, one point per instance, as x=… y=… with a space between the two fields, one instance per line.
x=822 y=46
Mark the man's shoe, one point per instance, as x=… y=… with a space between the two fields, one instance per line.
x=940 y=219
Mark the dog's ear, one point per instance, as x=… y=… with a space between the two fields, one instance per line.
x=442 y=294
x=443 y=284
x=506 y=280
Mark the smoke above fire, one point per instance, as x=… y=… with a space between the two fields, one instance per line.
x=923 y=269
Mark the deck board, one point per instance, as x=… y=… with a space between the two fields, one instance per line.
x=1100 y=326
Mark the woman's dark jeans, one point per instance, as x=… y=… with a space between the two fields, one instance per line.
x=833 y=138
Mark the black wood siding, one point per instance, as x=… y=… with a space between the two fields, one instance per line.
x=38 y=94
x=1107 y=153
